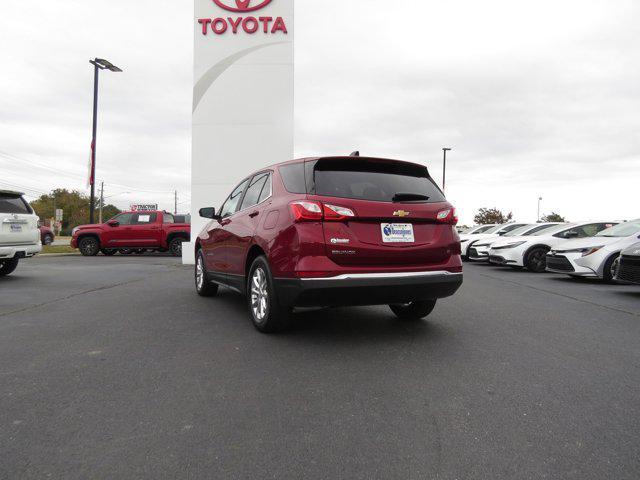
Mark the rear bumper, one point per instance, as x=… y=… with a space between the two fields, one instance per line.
x=20 y=251
x=367 y=289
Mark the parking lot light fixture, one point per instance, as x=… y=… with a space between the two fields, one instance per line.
x=98 y=64
x=539 y=200
x=444 y=165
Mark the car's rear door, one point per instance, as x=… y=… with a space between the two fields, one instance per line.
x=18 y=224
x=146 y=228
x=392 y=224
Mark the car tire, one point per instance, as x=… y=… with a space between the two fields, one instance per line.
x=89 y=246
x=108 y=251
x=536 y=260
x=175 y=246
x=609 y=269
x=413 y=310
x=204 y=287
x=266 y=313
x=47 y=240
x=8 y=266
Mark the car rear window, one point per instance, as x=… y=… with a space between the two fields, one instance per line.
x=375 y=180
x=10 y=203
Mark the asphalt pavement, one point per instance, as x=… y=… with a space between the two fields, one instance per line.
x=112 y=367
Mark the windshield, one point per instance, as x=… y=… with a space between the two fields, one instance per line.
x=477 y=229
x=621 y=230
x=555 y=229
x=493 y=229
x=518 y=231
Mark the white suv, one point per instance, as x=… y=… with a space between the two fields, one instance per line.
x=19 y=233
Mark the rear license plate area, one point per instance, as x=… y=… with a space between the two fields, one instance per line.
x=397 y=232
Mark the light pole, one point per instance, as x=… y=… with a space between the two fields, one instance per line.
x=539 y=200
x=98 y=64
x=444 y=165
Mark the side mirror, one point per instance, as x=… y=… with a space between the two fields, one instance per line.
x=113 y=223
x=208 y=212
x=501 y=233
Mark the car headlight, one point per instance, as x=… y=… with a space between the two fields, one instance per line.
x=589 y=251
x=73 y=232
x=584 y=251
x=509 y=245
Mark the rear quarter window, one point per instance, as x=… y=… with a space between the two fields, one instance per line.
x=13 y=204
x=293 y=177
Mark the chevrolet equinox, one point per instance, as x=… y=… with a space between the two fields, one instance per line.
x=332 y=231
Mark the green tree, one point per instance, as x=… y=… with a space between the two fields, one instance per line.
x=491 y=215
x=553 y=217
x=75 y=206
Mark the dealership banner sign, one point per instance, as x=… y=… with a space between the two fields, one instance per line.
x=144 y=207
x=242 y=96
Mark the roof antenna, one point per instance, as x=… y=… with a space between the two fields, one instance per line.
x=355 y=154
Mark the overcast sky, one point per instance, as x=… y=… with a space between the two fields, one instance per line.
x=535 y=98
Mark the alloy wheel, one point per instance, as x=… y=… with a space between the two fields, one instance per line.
x=199 y=273
x=259 y=294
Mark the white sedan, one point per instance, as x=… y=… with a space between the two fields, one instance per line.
x=467 y=235
x=595 y=256
x=479 y=250
x=531 y=251
x=466 y=239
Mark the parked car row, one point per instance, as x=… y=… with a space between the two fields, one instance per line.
x=606 y=250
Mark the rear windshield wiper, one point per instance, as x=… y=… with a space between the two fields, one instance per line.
x=399 y=197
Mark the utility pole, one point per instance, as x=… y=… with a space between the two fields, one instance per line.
x=175 y=202
x=444 y=165
x=101 y=200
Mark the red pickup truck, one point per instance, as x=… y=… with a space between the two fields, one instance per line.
x=132 y=232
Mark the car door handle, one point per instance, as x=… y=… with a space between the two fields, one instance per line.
x=254 y=214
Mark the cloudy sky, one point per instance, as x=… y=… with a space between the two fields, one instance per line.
x=535 y=98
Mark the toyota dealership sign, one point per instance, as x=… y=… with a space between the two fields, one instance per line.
x=242 y=95
x=244 y=22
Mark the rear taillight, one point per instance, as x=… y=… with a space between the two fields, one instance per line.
x=447 y=216
x=306 y=211
x=336 y=213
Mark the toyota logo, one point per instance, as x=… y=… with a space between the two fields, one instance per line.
x=241 y=5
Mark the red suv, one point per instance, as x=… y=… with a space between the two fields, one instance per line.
x=332 y=231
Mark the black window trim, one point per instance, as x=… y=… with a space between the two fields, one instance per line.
x=269 y=178
x=244 y=192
